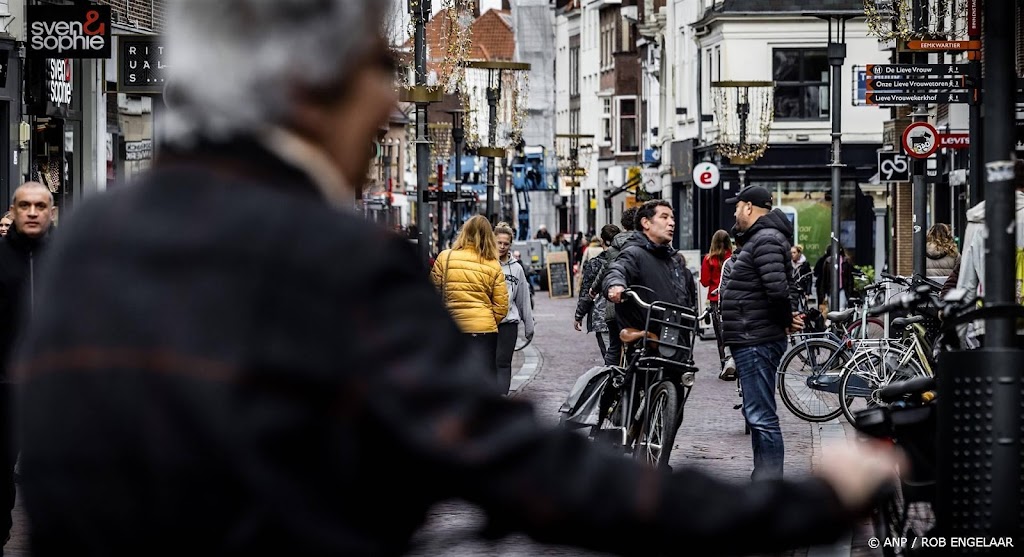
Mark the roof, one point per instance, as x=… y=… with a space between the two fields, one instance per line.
x=491 y=36
x=794 y=7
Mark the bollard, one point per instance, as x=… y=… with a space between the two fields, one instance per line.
x=981 y=419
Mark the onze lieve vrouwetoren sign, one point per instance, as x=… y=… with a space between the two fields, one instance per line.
x=69 y=31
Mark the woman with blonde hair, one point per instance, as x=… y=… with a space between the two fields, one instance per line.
x=942 y=252
x=473 y=287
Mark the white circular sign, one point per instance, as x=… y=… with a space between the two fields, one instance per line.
x=706 y=176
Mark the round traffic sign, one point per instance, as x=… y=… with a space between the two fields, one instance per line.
x=920 y=140
x=706 y=176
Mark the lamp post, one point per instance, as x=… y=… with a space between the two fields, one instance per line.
x=496 y=71
x=836 y=58
x=570 y=164
x=458 y=139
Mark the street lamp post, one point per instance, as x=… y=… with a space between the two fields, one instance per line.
x=458 y=139
x=836 y=58
x=496 y=72
x=569 y=162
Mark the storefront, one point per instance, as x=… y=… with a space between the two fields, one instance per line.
x=799 y=177
x=54 y=104
x=10 y=117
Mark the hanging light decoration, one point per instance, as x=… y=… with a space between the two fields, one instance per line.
x=446 y=52
x=895 y=19
x=509 y=83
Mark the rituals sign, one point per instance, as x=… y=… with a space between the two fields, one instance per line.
x=142 y=64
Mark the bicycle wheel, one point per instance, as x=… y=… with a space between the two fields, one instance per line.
x=808 y=379
x=865 y=374
x=658 y=432
x=901 y=516
x=875 y=329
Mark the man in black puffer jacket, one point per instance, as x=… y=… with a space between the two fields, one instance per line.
x=652 y=263
x=756 y=317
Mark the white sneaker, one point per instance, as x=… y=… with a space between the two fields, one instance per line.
x=728 y=370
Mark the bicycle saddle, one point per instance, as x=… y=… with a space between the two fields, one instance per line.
x=840 y=316
x=629 y=336
x=901 y=322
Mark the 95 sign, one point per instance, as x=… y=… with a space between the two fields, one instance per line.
x=893 y=167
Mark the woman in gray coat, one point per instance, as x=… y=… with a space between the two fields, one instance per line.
x=519 y=308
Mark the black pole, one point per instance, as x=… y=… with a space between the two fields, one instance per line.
x=979 y=419
x=493 y=95
x=1000 y=93
x=920 y=193
x=836 y=57
x=458 y=136
x=420 y=12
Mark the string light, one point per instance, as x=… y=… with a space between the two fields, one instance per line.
x=511 y=108
x=894 y=19
x=744 y=113
x=444 y=60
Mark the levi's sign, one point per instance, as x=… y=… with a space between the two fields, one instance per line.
x=69 y=31
x=954 y=141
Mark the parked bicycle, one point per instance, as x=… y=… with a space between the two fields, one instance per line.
x=811 y=369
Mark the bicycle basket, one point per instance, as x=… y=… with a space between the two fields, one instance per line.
x=676 y=329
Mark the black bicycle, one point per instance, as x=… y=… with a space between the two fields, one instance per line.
x=638 y=407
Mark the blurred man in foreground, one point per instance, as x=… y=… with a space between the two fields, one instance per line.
x=246 y=387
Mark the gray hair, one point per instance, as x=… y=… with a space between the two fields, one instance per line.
x=233 y=65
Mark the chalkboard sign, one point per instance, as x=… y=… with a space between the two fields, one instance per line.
x=558 y=275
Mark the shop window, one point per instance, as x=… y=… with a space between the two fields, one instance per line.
x=801 y=83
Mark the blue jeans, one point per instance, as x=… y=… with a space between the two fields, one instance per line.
x=756 y=369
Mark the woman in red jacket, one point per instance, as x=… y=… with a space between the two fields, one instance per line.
x=711 y=277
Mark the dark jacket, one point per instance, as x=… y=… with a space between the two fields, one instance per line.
x=589 y=305
x=238 y=387
x=19 y=274
x=657 y=267
x=621 y=241
x=847 y=283
x=756 y=302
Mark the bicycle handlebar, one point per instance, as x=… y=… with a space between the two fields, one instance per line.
x=636 y=298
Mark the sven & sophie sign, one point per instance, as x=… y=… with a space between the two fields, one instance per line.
x=69 y=31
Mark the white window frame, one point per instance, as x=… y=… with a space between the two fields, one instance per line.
x=617 y=104
x=606 y=122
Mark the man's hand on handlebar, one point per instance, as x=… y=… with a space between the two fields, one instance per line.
x=615 y=294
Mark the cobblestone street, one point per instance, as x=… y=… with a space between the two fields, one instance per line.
x=711 y=436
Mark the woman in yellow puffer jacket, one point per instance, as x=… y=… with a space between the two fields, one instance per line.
x=473 y=286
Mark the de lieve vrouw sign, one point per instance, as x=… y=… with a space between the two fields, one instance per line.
x=69 y=31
